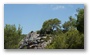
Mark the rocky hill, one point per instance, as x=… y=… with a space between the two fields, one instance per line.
x=34 y=41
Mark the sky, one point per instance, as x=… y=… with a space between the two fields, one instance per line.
x=32 y=16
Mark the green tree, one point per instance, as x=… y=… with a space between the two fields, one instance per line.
x=80 y=20
x=51 y=25
x=69 y=24
x=11 y=36
x=72 y=39
x=19 y=30
x=66 y=26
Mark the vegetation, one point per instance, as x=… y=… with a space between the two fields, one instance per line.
x=69 y=24
x=70 y=37
x=73 y=37
x=80 y=20
x=50 y=25
x=12 y=36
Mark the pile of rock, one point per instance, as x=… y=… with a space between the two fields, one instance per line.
x=34 y=41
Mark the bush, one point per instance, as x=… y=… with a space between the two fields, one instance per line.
x=70 y=40
x=74 y=39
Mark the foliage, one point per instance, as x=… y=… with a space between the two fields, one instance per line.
x=11 y=36
x=50 y=25
x=70 y=40
x=73 y=38
x=69 y=24
x=80 y=20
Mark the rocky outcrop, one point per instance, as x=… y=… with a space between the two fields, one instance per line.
x=34 y=41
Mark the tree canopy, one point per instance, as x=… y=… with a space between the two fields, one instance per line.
x=51 y=25
x=80 y=20
x=12 y=36
x=69 y=24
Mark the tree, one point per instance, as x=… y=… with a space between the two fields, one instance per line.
x=66 y=25
x=69 y=24
x=72 y=39
x=80 y=20
x=19 y=30
x=51 y=25
x=11 y=36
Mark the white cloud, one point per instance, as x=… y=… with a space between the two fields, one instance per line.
x=57 y=7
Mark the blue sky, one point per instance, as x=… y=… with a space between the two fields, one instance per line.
x=32 y=16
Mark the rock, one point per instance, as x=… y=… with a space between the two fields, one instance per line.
x=34 y=41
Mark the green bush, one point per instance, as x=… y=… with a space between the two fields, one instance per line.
x=74 y=39
x=70 y=40
x=11 y=36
